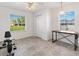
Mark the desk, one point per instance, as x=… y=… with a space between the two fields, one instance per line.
x=66 y=37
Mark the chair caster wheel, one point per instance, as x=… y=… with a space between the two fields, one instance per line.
x=4 y=45
x=12 y=54
x=14 y=48
x=1 y=47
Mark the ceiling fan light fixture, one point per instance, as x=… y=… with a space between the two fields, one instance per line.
x=31 y=6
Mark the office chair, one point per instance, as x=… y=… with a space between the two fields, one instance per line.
x=8 y=44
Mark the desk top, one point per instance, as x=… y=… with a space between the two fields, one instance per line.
x=70 y=32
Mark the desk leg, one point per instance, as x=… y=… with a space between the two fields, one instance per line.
x=53 y=36
x=76 y=42
x=56 y=36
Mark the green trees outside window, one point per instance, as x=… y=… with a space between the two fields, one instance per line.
x=17 y=23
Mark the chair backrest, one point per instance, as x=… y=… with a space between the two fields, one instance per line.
x=7 y=34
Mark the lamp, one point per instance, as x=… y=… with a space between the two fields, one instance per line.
x=62 y=12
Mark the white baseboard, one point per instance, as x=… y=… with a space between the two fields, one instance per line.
x=39 y=35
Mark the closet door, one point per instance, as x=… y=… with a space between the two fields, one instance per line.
x=41 y=27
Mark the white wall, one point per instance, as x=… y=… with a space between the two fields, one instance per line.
x=5 y=24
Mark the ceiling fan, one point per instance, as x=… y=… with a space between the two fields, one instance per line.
x=31 y=5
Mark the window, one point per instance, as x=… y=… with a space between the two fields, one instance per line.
x=67 y=20
x=17 y=22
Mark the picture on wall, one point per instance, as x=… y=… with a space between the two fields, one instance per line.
x=17 y=22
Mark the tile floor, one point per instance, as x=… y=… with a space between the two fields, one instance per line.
x=34 y=46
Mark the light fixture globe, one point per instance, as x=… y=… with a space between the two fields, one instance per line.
x=62 y=13
x=31 y=6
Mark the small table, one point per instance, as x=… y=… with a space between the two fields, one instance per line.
x=66 y=37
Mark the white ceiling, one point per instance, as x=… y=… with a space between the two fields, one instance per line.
x=23 y=5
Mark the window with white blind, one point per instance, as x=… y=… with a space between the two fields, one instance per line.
x=67 y=20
